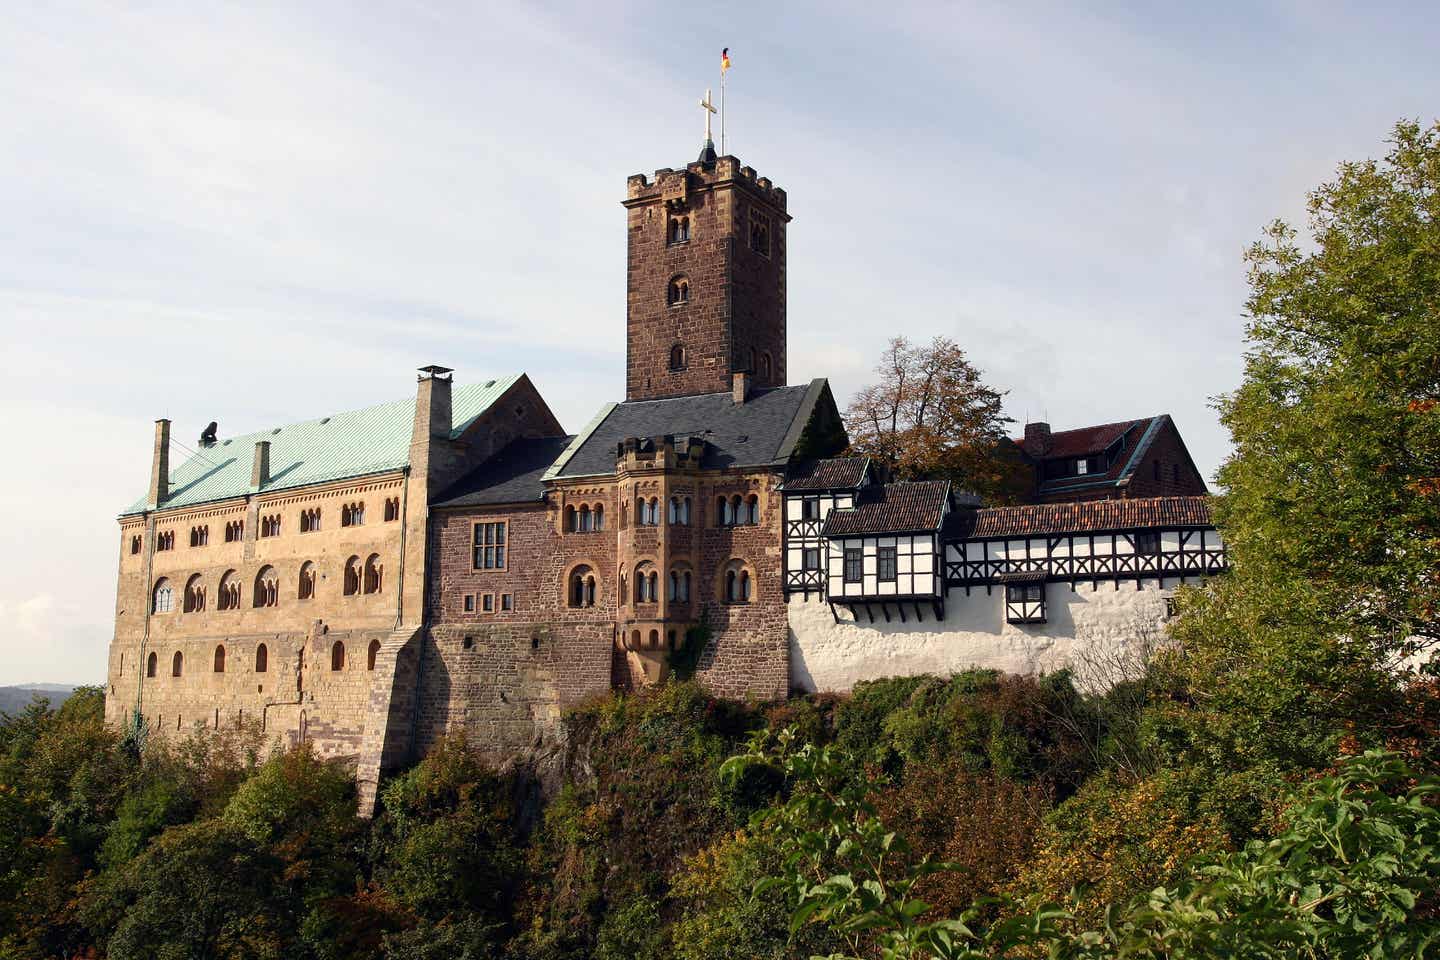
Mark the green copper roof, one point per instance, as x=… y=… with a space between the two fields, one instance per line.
x=353 y=444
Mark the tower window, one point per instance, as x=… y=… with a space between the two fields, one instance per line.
x=677 y=357
x=679 y=230
x=392 y=509
x=135 y=544
x=760 y=233
x=679 y=292
x=765 y=366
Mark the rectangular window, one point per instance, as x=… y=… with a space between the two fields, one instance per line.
x=853 y=565
x=490 y=546
x=506 y=602
x=488 y=604
x=1025 y=592
x=812 y=558
x=1147 y=543
x=1082 y=467
x=886 y=564
x=469 y=603
x=810 y=508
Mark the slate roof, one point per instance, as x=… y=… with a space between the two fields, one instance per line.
x=762 y=431
x=836 y=473
x=511 y=476
x=1086 y=440
x=891 y=508
x=1085 y=517
x=356 y=443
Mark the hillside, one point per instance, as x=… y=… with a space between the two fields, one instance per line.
x=13 y=699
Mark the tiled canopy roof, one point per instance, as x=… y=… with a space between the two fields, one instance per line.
x=838 y=473
x=356 y=443
x=1089 y=516
x=510 y=476
x=892 y=508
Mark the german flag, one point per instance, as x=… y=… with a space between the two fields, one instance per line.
x=724 y=60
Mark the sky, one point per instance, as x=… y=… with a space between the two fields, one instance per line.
x=258 y=214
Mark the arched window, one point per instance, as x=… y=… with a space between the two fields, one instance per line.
x=750 y=359
x=150 y=663
x=679 y=230
x=352 y=576
x=765 y=366
x=352 y=514
x=738 y=511
x=580 y=591
x=371 y=654
x=177 y=663
x=164 y=597
x=392 y=509
x=570 y=523
x=677 y=357
x=267 y=587
x=647 y=580
x=585 y=520
x=310 y=520
x=654 y=639
x=337 y=656
x=752 y=513
x=194 y=595
x=678 y=292
x=599 y=516
x=679 y=588
x=623 y=595
x=307 y=581
x=262 y=659
x=219 y=658
x=736 y=583
x=724 y=513
x=230 y=591
x=374 y=573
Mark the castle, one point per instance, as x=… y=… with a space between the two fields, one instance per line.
x=371 y=580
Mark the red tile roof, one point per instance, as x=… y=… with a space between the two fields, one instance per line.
x=892 y=508
x=1090 y=516
x=838 y=473
x=1086 y=440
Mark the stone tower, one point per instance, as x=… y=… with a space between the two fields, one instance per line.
x=705 y=280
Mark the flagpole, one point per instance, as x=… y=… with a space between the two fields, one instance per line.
x=722 y=111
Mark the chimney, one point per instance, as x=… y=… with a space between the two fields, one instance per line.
x=739 y=386
x=1037 y=439
x=260 y=470
x=159 y=466
x=432 y=404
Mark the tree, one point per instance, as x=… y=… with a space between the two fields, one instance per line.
x=931 y=417
x=1332 y=510
x=1334 y=485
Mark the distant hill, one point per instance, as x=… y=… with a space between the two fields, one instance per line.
x=15 y=699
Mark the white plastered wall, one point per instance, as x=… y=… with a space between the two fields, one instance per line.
x=1093 y=629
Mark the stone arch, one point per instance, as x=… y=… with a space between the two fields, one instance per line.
x=219 y=658
x=735 y=582
x=352 y=576
x=230 y=591
x=677 y=292
x=162 y=597
x=371 y=653
x=194 y=594
x=374 y=573
x=677 y=356
x=267 y=587
x=307 y=581
x=151 y=663
x=582 y=584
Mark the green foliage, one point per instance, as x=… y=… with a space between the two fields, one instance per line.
x=685 y=660
x=446 y=844
x=1349 y=877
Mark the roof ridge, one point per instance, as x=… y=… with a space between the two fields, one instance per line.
x=259 y=434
